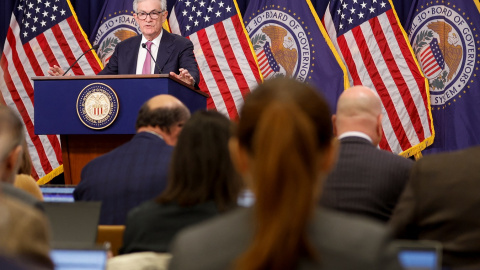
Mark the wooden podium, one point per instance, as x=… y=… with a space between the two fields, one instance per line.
x=55 y=112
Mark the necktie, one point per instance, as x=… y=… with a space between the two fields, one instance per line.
x=146 y=65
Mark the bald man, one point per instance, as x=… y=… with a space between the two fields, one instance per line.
x=366 y=180
x=136 y=171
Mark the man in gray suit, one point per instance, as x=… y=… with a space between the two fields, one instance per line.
x=366 y=180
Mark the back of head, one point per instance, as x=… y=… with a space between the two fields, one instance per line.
x=286 y=131
x=162 y=111
x=201 y=169
x=11 y=137
x=359 y=109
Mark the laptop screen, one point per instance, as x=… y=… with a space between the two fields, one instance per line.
x=246 y=198
x=57 y=193
x=419 y=255
x=74 y=259
x=417 y=259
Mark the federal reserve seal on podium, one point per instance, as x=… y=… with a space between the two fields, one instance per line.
x=97 y=106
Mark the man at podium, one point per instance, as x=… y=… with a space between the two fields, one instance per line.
x=156 y=51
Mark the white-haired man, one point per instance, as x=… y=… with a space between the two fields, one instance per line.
x=172 y=53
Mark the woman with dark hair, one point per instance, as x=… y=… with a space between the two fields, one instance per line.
x=283 y=147
x=202 y=183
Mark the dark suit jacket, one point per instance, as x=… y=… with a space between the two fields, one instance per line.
x=365 y=180
x=125 y=177
x=175 y=52
x=152 y=226
x=343 y=242
x=442 y=202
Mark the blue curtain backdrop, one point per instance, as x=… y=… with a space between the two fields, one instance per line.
x=88 y=10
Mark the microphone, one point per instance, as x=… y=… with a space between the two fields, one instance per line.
x=94 y=47
x=145 y=47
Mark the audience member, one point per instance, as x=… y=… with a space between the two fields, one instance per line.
x=15 y=162
x=23 y=179
x=136 y=171
x=202 y=183
x=23 y=230
x=283 y=147
x=441 y=203
x=366 y=180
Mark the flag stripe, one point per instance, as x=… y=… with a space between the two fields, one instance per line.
x=247 y=51
x=33 y=61
x=42 y=41
x=352 y=67
x=20 y=96
x=404 y=100
x=433 y=71
x=366 y=80
x=89 y=64
x=65 y=48
x=235 y=75
x=421 y=100
x=234 y=45
x=216 y=72
x=378 y=83
x=22 y=110
x=207 y=77
x=232 y=89
x=17 y=63
x=210 y=101
x=53 y=47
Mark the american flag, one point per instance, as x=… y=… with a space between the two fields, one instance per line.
x=226 y=61
x=377 y=54
x=42 y=33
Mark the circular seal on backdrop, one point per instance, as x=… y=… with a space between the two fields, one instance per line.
x=97 y=106
x=112 y=30
x=279 y=42
x=444 y=44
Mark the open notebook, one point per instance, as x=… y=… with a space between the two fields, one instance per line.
x=419 y=255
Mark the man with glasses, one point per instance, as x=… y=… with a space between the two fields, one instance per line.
x=173 y=54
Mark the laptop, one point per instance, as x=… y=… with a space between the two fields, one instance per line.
x=419 y=255
x=73 y=223
x=75 y=257
x=246 y=198
x=57 y=193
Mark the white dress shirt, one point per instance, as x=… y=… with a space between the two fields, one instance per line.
x=142 y=53
x=355 y=134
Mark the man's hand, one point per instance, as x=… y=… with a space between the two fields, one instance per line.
x=184 y=76
x=57 y=71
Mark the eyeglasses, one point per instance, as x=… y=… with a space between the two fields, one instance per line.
x=153 y=15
